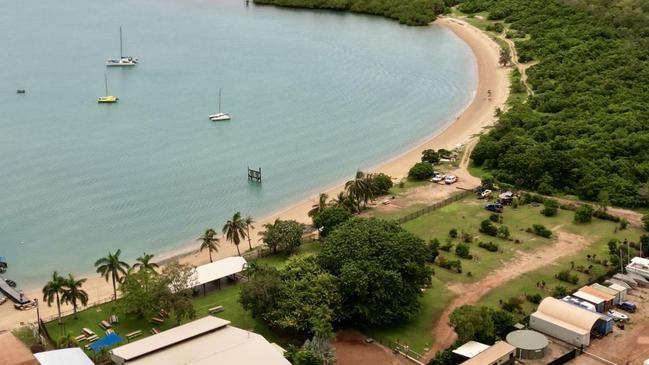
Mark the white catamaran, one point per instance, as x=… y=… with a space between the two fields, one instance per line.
x=123 y=60
x=218 y=117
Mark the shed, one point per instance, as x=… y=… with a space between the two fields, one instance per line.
x=564 y=321
x=501 y=353
x=609 y=291
x=598 y=302
x=620 y=289
x=470 y=349
x=529 y=344
x=626 y=279
x=608 y=298
x=618 y=282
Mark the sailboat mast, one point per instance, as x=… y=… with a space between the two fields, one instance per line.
x=121 y=53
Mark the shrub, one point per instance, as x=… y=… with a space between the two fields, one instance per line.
x=601 y=214
x=540 y=230
x=513 y=304
x=584 y=214
x=430 y=156
x=447 y=246
x=489 y=246
x=624 y=223
x=494 y=217
x=452 y=233
x=645 y=222
x=466 y=237
x=568 y=277
x=381 y=183
x=463 y=251
x=534 y=298
x=528 y=198
x=550 y=207
x=503 y=232
x=421 y=171
x=455 y=265
x=433 y=250
x=495 y=27
x=568 y=206
x=487 y=227
x=559 y=291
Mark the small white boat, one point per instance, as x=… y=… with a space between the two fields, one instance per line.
x=218 y=117
x=122 y=60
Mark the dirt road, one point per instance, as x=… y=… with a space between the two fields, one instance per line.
x=523 y=262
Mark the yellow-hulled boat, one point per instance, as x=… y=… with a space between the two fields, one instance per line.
x=107 y=99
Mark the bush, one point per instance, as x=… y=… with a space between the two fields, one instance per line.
x=433 y=249
x=568 y=277
x=330 y=217
x=528 y=198
x=495 y=27
x=381 y=183
x=534 y=298
x=452 y=233
x=494 y=217
x=568 y=206
x=447 y=246
x=421 y=171
x=487 y=227
x=559 y=291
x=601 y=214
x=455 y=265
x=584 y=214
x=503 y=232
x=550 y=207
x=513 y=305
x=624 y=223
x=489 y=246
x=430 y=156
x=540 y=230
x=463 y=251
x=466 y=237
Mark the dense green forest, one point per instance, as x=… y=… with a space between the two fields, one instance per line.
x=411 y=12
x=586 y=129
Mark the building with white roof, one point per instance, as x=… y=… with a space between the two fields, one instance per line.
x=208 y=340
x=71 y=356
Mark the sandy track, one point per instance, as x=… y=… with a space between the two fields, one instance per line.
x=523 y=262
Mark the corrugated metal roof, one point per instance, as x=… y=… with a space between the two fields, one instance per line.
x=598 y=293
x=588 y=297
x=568 y=313
x=499 y=350
x=470 y=349
x=605 y=289
x=169 y=337
x=72 y=356
x=219 y=269
x=618 y=287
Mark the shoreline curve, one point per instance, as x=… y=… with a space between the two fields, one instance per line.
x=464 y=129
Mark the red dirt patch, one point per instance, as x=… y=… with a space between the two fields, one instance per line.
x=351 y=349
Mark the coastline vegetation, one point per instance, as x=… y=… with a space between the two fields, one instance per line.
x=413 y=12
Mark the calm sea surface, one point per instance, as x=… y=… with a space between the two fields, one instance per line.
x=314 y=97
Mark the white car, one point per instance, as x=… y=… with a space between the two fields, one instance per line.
x=617 y=316
x=450 y=179
x=485 y=194
x=438 y=177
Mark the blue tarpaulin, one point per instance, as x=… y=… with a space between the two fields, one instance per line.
x=107 y=341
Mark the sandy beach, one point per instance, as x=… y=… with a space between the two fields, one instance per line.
x=478 y=115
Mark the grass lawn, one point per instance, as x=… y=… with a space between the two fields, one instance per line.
x=417 y=332
x=465 y=216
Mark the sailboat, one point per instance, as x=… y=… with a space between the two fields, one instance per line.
x=123 y=60
x=108 y=99
x=219 y=116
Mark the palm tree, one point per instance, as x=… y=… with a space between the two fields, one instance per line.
x=209 y=242
x=249 y=221
x=111 y=267
x=144 y=263
x=51 y=292
x=320 y=205
x=235 y=230
x=359 y=189
x=344 y=201
x=72 y=293
x=67 y=341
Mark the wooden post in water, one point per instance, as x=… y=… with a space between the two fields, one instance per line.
x=254 y=175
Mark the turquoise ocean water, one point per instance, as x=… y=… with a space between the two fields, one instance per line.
x=314 y=97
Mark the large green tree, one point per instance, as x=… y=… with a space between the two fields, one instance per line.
x=381 y=268
x=112 y=268
x=282 y=235
x=328 y=218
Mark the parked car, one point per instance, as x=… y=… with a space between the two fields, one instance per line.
x=627 y=307
x=484 y=194
x=438 y=177
x=617 y=316
x=494 y=207
x=450 y=179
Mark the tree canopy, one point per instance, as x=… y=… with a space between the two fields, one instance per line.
x=381 y=270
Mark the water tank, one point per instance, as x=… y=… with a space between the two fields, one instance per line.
x=529 y=344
